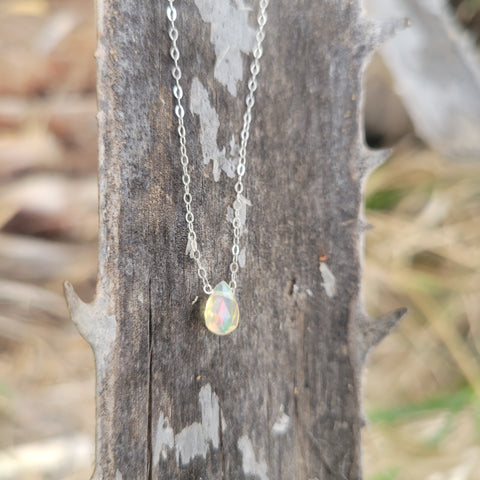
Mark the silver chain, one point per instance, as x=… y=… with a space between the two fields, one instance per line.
x=242 y=155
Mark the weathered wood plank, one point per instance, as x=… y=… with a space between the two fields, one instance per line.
x=280 y=397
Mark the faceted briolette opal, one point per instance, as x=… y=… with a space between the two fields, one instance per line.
x=221 y=311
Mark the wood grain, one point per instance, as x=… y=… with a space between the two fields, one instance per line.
x=280 y=397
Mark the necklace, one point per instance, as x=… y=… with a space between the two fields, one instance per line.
x=221 y=311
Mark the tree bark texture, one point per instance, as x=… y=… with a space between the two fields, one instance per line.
x=280 y=397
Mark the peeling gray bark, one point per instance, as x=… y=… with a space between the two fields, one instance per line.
x=280 y=397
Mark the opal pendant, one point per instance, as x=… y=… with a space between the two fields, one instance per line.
x=221 y=311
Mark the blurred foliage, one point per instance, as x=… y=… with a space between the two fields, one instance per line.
x=468 y=12
x=423 y=384
x=452 y=402
x=384 y=199
x=473 y=6
x=389 y=474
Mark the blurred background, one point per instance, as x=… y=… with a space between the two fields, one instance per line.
x=422 y=388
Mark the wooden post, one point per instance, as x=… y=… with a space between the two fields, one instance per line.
x=280 y=397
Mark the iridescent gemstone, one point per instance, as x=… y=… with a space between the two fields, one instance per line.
x=221 y=311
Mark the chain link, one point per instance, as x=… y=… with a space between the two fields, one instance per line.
x=242 y=155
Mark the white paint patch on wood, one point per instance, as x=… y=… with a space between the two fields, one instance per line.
x=118 y=475
x=210 y=414
x=164 y=439
x=329 y=283
x=242 y=258
x=209 y=124
x=189 y=249
x=194 y=440
x=191 y=442
x=244 y=203
x=281 y=426
x=250 y=465
x=231 y=35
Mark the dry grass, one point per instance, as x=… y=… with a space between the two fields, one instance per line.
x=423 y=383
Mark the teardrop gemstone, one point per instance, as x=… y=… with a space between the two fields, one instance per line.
x=221 y=311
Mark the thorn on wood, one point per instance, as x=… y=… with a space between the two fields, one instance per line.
x=364 y=226
x=79 y=312
x=73 y=300
x=391 y=28
x=379 y=32
x=364 y=422
x=375 y=330
x=374 y=159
